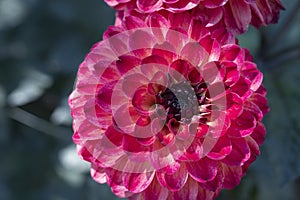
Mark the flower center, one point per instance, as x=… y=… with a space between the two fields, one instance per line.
x=181 y=101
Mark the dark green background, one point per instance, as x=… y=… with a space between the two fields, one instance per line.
x=42 y=42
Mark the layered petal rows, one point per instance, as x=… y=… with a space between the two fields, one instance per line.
x=236 y=15
x=168 y=108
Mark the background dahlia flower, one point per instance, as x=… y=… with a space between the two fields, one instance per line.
x=236 y=15
x=164 y=112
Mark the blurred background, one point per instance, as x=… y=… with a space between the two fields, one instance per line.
x=42 y=43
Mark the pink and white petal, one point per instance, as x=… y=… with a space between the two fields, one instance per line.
x=114 y=180
x=165 y=50
x=132 y=22
x=137 y=182
x=158 y=83
x=98 y=174
x=95 y=115
x=149 y=6
x=214 y=3
x=104 y=96
x=89 y=131
x=141 y=43
x=125 y=117
x=193 y=52
x=175 y=181
x=203 y=170
x=132 y=82
x=162 y=159
x=143 y=101
x=181 y=6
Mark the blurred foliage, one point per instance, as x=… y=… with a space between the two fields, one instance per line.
x=42 y=42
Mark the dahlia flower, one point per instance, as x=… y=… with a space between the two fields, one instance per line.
x=168 y=113
x=236 y=15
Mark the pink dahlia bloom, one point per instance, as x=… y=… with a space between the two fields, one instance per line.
x=150 y=6
x=236 y=15
x=168 y=113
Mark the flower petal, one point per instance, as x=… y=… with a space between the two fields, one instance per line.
x=175 y=181
x=203 y=170
x=137 y=182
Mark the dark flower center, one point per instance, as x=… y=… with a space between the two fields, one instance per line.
x=181 y=101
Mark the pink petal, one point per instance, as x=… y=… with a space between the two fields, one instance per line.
x=203 y=170
x=259 y=133
x=127 y=63
x=254 y=147
x=194 y=76
x=188 y=192
x=261 y=102
x=137 y=182
x=240 y=20
x=182 y=5
x=179 y=69
x=197 y=30
x=254 y=110
x=221 y=149
x=98 y=174
x=216 y=184
x=114 y=180
x=234 y=105
x=95 y=115
x=132 y=22
x=149 y=6
x=104 y=96
x=141 y=42
x=204 y=194
x=158 y=83
x=175 y=181
x=88 y=131
x=214 y=3
x=193 y=52
x=153 y=191
x=243 y=125
x=232 y=176
x=253 y=74
x=242 y=88
x=143 y=101
x=190 y=151
x=114 y=136
x=132 y=82
x=165 y=50
x=240 y=153
x=232 y=74
x=124 y=118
